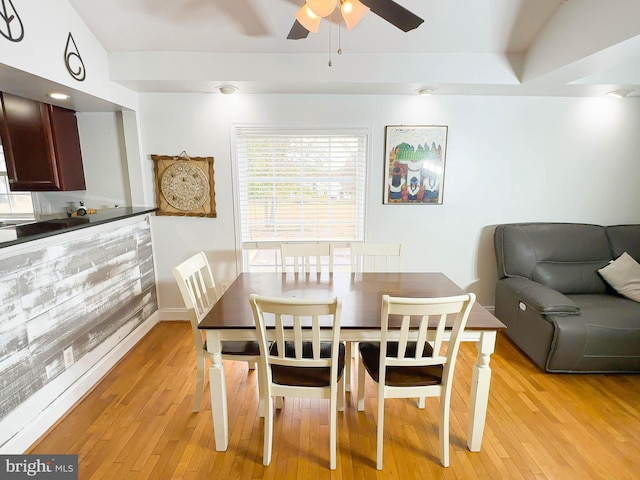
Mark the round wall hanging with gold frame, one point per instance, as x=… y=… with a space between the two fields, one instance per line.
x=184 y=185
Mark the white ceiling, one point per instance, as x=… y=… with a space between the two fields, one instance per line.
x=464 y=47
x=261 y=26
x=497 y=47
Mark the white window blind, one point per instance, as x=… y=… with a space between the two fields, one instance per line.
x=301 y=185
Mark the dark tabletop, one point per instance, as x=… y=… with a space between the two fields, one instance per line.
x=361 y=295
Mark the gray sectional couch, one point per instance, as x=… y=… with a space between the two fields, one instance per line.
x=557 y=308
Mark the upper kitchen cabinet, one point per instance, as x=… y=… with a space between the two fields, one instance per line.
x=41 y=145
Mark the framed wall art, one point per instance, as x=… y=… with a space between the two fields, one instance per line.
x=184 y=185
x=414 y=164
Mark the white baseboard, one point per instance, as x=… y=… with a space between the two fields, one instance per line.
x=173 y=314
x=37 y=426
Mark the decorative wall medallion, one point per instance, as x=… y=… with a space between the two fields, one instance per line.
x=10 y=30
x=184 y=185
x=73 y=60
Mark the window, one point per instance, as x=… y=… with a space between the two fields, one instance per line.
x=299 y=186
x=13 y=205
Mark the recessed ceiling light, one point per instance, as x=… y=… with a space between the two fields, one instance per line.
x=619 y=93
x=227 y=89
x=426 y=91
x=59 y=96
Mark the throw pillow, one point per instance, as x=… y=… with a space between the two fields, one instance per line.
x=623 y=274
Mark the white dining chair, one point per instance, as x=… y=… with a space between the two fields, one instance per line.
x=305 y=256
x=371 y=257
x=376 y=257
x=198 y=290
x=415 y=368
x=298 y=364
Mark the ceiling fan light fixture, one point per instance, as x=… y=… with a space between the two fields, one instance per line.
x=308 y=19
x=227 y=89
x=352 y=12
x=322 y=8
x=619 y=93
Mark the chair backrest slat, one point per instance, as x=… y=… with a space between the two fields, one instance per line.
x=404 y=336
x=280 y=334
x=376 y=257
x=439 y=333
x=423 y=332
x=315 y=338
x=203 y=299
x=297 y=328
x=304 y=253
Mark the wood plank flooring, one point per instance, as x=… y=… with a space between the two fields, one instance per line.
x=137 y=424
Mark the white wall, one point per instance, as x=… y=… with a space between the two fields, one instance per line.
x=109 y=141
x=46 y=26
x=105 y=168
x=103 y=157
x=509 y=159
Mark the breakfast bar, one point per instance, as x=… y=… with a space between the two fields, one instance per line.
x=75 y=293
x=27 y=232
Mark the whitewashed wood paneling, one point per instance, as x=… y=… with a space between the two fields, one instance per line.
x=13 y=332
x=76 y=293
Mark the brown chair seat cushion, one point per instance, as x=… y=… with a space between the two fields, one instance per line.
x=400 y=376
x=239 y=348
x=306 y=376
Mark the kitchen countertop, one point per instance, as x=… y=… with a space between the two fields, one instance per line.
x=13 y=235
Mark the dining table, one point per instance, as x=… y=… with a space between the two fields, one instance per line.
x=231 y=319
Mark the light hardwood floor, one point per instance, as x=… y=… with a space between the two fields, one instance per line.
x=137 y=424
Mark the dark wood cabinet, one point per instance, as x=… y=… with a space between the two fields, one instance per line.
x=41 y=145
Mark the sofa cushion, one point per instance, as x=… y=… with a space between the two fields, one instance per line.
x=562 y=256
x=603 y=338
x=624 y=238
x=623 y=274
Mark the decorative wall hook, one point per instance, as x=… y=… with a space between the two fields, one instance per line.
x=8 y=14
x=72 y=55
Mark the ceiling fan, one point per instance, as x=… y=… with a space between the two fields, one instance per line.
x=309 y=16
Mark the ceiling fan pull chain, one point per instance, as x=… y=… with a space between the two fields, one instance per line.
x=330 y=63
x=339 y=37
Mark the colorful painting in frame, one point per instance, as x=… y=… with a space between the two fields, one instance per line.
x=414 y=164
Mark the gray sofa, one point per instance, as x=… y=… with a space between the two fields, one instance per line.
x=557 y=308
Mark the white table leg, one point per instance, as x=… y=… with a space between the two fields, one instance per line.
x=218 y=387
x=480 y=390
x=347 y=366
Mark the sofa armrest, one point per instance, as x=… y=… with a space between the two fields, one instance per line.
x=539 y=297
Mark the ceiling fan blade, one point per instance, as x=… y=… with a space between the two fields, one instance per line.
x=394 y=13
x=297 y=32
